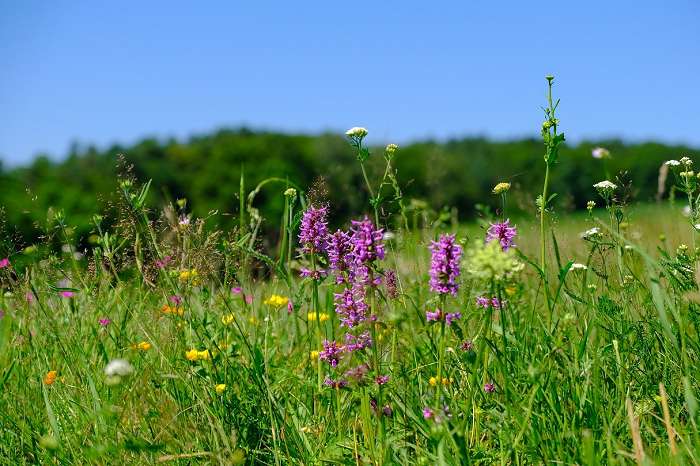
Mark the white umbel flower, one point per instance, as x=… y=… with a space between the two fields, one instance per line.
x=356 y=132
x=593 y=232
x=577 y=266
x=672 y=163
x=605 y=185
x=118 y=367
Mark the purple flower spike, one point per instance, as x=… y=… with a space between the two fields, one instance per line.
x=451 y=316
x=339 y=250
x=350 y=306
x=331 y=353
x=433 y=316
x=444 y=266
x=340 y=383
x=502 y=232
x=314 y=230
x=381 y=379
x=359 y=342
x=366 y=242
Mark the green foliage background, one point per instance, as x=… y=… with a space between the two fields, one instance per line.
x=206 y=170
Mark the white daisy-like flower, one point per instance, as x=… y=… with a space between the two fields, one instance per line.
x=356 y=132
x=605 y=185
x=595 y=231
x=578 y=266
x=672 y=163
x=118 y=367
x=600 y=153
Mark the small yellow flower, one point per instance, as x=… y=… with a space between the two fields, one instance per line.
x=446 y=381
x=168 y=309
x=192 y=355
x=312 y=316
x=143 y=346
x=510 y=290
x=323 y=317
x=501 y=187
x=432 y=381
x=189 y=276
x=313 y=356
x=276 y=301
x=50 y=377
x=203 y=355
x=227 y=319
x=220 y=388
x=252 y=320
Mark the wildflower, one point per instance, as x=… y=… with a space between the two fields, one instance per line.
x=591 y=234
x=168 y=309
x=356 y=132
x=290 y=192
x=501 y=187
x=358 y=373
x=452 y=316
x=350 y=306
x=236 y=290
x=227 y=319
x=50 y=377
x=191 y=276
x=175 y=299
x=391 y=149
x=192 y=355
x=444 y=265
x=105 y=321
x=321 y=316
x=143 y=346
x=162 y=263
x=432 y=381
x=312 y=274
x=341 y=383
x=118 y=367
x=67 y=294
x=314 y=230
x=502 y=232
x=600 y=153
x=366 y=241
x=390 y=284
x=490 y=262
x=433 y=316
x=489 y=387
x=590 y=205
x=331 y=353
x=249 y=299
x=339 y=250
x=276 y=301
x=381 y=379
x=577 y=266
x=359 y=342
x=290 y=307
x=427 y=413
x=220 y=388
x=468 y=345
x=29 y=296
x=4 y=263
x=184 y=220
x=672 y=163
x=313 y=355
x=605 y=186
x=203 y=355
x=686 y=161
x=687 y=174
x=485 y=302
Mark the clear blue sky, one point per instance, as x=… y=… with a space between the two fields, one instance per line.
x=103 y=72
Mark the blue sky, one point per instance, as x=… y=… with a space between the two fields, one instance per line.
x=103 y=72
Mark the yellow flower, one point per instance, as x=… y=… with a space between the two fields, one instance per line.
x=510 y=290
x=50 y=377
x=446 y=381
x=432 y=381
x=313 y=356
x=227 y=319
x=502 y=187
x=189 y=276
x=220 y=388
x=192 y=355
x=204 y=355
x=276 y=301
x=167 y=309
x=312 y=316
x=144 y=346
x=253 y=320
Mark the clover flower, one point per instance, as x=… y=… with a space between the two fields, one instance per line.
x=502 y=232
x=433 y=316
x=381 y=379
x=485 y=302
x=357 y=373
x=444 y=265
x=468 y=345
x=314 y=230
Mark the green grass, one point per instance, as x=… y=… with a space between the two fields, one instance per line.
x=562 y=379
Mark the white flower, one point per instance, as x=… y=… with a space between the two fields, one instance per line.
x=686 y=211
x=697 y=226
x=388 y=236
x=577 y=266
x=686 y=161
x=672 y=163
x=600 y=153
x=595 y=231
x=605 y=185
x=118 y=367
x=356 y=132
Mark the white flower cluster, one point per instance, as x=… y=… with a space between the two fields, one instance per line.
x=592 y=233
x=605 y=185
x=356 y=132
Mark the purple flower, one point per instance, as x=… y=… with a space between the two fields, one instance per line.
x=359 y=342
x=313 y=274
x=236 y=290
x=496 y=303
x=249 y=299
x=29 y=296
x=467 y=346
x=341 y=383
x=290 y=307
x=339 y=250
x=427 y=413
x=175 y=299
x=350 y=306
x=502 y=232
x=358 y=373
x=387 y=411
x=367 y=245
x=4 y=263
x=433 y=316
x=381 y=379
x=452 y=316
x=483 y=301
x=444 y=266
x=331 y=353
x=105 y=321
x=390 y=283
x=489 y=387
x=162 y=263
x=67 y=294
x=314 y=230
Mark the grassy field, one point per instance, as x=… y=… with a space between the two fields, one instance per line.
x=569 y=339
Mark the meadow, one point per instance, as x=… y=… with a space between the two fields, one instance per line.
x=401 y=338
